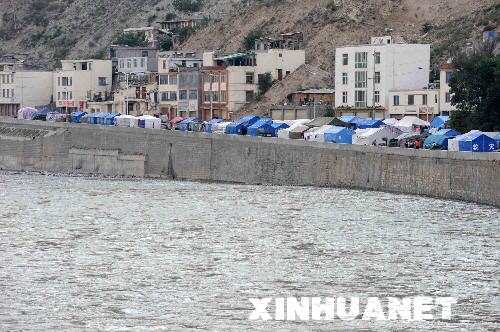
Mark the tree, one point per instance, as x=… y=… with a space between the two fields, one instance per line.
x=132 y=39
x=249 y=41
x=265 y=83
x=165 y=42
x=475 y=89
x=188 y=6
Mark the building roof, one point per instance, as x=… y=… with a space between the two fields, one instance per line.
x=318 y=91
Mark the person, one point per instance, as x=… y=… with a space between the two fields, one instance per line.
x=417 y=144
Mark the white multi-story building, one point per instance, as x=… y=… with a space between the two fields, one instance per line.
x=23 y=88
x=423 y=104
x=364 y=74
x=446 y=72
x=80 y=81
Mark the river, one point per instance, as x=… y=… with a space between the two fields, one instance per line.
x=91 y=254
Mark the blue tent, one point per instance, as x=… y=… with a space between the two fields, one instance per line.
x=364 y=124
x=351 y=119
x=340 y=135
x=439 y=121
x=261 y=128
x=92 y=118
x=77 y=116
x=187 y=124
x=240 y=126
x=437 y=142
x=41 y=115
x=476 y=142
x=497 y=138
x=108 y=119
x=211 y=123
x=447 y=132
x=277 y=126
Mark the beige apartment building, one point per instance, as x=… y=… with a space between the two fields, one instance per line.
x=23 y=88
x=445 y=74
x=423 y=104
x=230 y=81
x=82 y=81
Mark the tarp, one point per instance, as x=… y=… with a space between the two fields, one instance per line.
x=77 y=116
x=364 y=124
x=187 y=124
x=323 y=121
x=390 y=121
x=351 y=119
x=240 y=126
x=437 y=142
x=55 y=117
x=261 y=127
x=109 y=118
x=26 y=113
x=440 y=121
x=408 y=123
x=298 y=125
x=476 y=142
x=339 y=135
x=374 y=136
x=211 y=123
x=317 y=134
x=41 y=115
x=447 y=132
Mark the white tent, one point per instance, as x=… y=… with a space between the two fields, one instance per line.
x=297 y=124
x=150 y=122
x=453 y=142
x=219 y=128
x=124 y=120
x=390 y=121
x=374 y=135
x=26 y=113
x=317 y=134
x=409 y=123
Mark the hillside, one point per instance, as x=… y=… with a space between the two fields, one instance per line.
x=48 y=30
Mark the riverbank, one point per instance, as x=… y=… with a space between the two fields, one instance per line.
x=84 y=149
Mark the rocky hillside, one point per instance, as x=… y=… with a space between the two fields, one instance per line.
x=53 y=29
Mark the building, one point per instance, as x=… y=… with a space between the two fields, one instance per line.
x=310 y=96
x=173 y=60
x=445 y=74
x=364 y=74
x=291 y=41
x=23 y=88
x=82 y=81
x=133 y=59
x=168 y=26
x=423 y=104
x=151 y=34
x=230 y=81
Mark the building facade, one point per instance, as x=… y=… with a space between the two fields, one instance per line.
x=423 y=104
x=446 y=72
x=364 y=74
x=81 y=81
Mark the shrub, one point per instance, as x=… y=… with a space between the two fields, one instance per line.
x=132 y=39
x=188 y=6
x=165 y=43
x=332 y=6
x=427 y=27
x=249 y=40
x=265 y=83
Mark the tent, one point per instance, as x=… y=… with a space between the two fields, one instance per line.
x=300 y=123
x=211 y=123
x=323 y=121
x=277 y=126
x=476 y=142
x=351 y=119
x=149 y=122
x=261 y=128
x=124 y=120
x=390 y=122
x=409 y=123
x=317 y=134
x=220 y=127
x=440 y=121
x=187 y=124
x=77 y=116
x=109 y=118
x=453 y=142
x=437 y=142
x=240 y=126
x=55 y=117
x=364 y=124
x=374 y=136
x=26 y=113
x=497 y=139
x=447 y=132
x=297 y=132
x=339 y=135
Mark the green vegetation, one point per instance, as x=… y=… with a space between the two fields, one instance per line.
x=332 y=6
x=249 y=40
x=132 y=39
x=427 y=27
x=182 y=34
x=188 y=6
x=170 y=16
x=265 y=82
x=475 y=87
x=165 y=42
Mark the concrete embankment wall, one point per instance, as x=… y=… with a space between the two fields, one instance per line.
x=85 y=149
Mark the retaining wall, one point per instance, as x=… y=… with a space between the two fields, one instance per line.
x=86 y=149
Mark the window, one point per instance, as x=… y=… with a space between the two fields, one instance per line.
x=173 y=95
x=58 y=81
x=195 y=65
x=345 y=59
x=59 y=95
x=376 y=96
x=223 y=78
x=193 y=94
x=135 y=63
x=164 y=64
x=424 y=99
x=183 y=95
x=129 y=63
x=206 y=97
x=377 y=77
x=122 y=64
x=377 y=58
x=164 y=96
x=344 y=78
x=67 y=81
x=280 y=55
x=102 y=81
x=215 y=96
x=361 y=79
x=361 y=60
x=172 y=79
x=360 y=98
x=250 y=78
x=250 y=96
x=213 y=78
x=143 y=62
x=145 y=54
x=396 y=100
x=411 y=99
x=448 y=97
x=223 y=96
x=163 y=79
x=449 y=75
x=344 y=97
